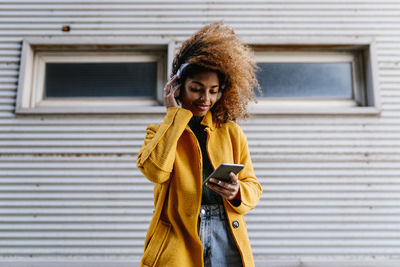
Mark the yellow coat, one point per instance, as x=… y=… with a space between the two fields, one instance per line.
x=171 y=158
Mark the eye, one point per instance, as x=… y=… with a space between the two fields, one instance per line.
x=213 y=92
x=194 y=89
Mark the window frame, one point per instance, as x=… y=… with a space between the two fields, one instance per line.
x=362 y=51
x=37 y=51
x=315 y=57
x=41 y=58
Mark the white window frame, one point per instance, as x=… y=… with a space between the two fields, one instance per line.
x=314 y=57
x=42 y=58
x=39 y=51
x=359 y=51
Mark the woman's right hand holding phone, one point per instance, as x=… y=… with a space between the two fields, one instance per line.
x=169 y=92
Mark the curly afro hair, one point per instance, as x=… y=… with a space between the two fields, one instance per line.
x=215 y=47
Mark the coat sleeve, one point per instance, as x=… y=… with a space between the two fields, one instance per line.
x=157 y=155
x=250 y=188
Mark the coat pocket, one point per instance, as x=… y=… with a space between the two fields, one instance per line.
x=156 y=245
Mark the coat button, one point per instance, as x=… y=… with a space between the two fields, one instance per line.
x=235 y=224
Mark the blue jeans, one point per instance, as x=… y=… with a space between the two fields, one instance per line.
x=219 y=246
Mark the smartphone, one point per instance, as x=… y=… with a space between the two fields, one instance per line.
x=223 y=170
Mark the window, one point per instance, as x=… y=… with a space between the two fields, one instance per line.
x=114 y=75
x=91 y=78
x=316 y=79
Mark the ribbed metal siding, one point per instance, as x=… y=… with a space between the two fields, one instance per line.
x=69 y=186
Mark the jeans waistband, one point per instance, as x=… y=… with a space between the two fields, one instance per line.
x=212 y=210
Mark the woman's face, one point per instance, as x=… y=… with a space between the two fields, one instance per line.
x=200 y=92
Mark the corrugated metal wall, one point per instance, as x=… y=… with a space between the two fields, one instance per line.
x=69 y=188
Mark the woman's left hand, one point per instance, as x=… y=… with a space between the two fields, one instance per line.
x=227 y=190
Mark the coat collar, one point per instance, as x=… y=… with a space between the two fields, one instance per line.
x=208 y=121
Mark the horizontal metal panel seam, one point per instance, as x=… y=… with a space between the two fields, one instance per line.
x=325 y=179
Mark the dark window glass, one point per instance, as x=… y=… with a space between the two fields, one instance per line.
x=306 y=80
x=101 y=79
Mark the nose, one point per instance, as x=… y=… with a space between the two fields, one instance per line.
x=205 y=96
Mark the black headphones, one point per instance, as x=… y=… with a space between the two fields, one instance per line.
x=179 y=75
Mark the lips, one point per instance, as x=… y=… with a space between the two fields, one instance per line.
x=202 y=106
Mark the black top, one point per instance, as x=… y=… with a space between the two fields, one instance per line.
x=208 y=195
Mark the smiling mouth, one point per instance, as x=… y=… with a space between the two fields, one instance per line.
x=202 y=106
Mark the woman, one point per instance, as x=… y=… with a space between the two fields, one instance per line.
x=196 y=224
